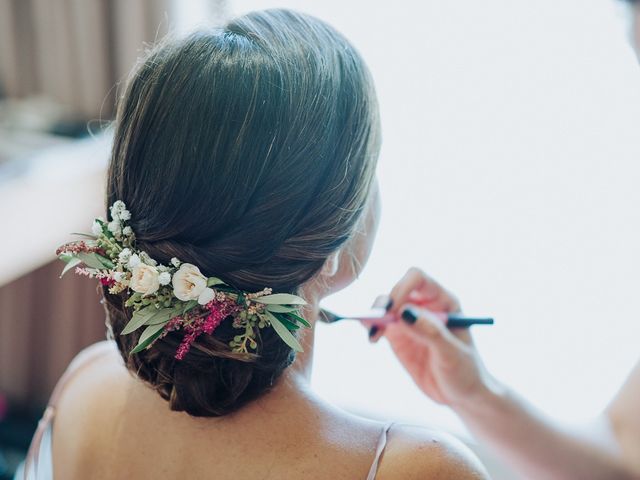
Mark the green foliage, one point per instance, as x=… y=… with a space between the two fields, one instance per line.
x=284 y=333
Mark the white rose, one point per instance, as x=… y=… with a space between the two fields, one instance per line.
x=188 y=282
x=164 y=278
x=206 y=296
x=134 y=261
x=144 y=279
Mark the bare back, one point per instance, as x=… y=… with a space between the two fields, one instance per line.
x=110 y=425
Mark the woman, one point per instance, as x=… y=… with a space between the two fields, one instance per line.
x=446 y=366
x=243 y=158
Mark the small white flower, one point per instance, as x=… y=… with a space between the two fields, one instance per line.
x=114 y=227
x=134 y=261
x=164 y=278
x=175 y=262
x=188 y=282
x=96 y=228
x=118 y=276
x=118 y=206
x=124 y=255
x=127 y=231
x=206 y=296
x=125 y=215
x=144 y=279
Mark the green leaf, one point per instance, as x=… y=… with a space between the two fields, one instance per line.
x=133 y=299
x=189 y=305
x=85 y=235
x=291 y=326
x=211 y=281
x=283 y=332
x=66 y=257
x=149 y=335
x=94 y=260
x=281 y=299
x=280 y=308
x=139 y=318
x=298 y=318
x=163 y=315
x=70 y=264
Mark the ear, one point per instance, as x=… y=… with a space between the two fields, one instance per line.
x=331 y=264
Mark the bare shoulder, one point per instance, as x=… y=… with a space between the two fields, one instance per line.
x=94 y=382
x=420 y=453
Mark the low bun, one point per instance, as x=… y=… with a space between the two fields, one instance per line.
x=249 y=151
x=211 y=380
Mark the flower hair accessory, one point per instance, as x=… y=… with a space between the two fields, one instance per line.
x=165 y=298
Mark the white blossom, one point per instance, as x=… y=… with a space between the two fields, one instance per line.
x=206 y=296
x=175 y=262
x=114 y=227
x=118 y=276
x=96 y=228
x=124 y=255
x=144 y=279
x=188 y=282
x=134 y=261
x=127 y=231
x=118 y=206
x=164 y=278
x=125 y=215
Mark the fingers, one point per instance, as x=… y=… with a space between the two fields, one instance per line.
x=417 y=286
x=443 y=344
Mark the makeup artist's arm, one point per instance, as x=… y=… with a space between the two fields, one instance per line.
x=446 y=366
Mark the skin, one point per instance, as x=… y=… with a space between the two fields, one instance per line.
x=110 y=425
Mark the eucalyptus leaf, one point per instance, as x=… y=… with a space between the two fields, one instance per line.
x=280 y=299
x=189 y=305
x=139 y=318
x=93 y=260
x=66 y=257
x=133 y=299
x=149 y=335
x=85 y=235
x=163 y=315
x=70 y=264
x=291 y=326
x=211 y=281
x=286 y=336
x=298 y=318
x=280 y=308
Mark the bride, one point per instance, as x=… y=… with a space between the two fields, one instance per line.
x=243 y=160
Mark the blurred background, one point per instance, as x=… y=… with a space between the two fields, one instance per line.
x=509 y=171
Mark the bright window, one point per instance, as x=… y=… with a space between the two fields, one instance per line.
x=510 y=172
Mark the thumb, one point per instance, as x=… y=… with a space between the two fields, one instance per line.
x=432 y=330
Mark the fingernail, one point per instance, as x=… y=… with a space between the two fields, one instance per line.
x=389 y=305
x=409 y=315
x=373 y=331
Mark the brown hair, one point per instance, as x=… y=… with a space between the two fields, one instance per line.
x=249 y=151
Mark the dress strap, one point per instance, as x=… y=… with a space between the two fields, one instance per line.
x=382 y=442
x=85 y=357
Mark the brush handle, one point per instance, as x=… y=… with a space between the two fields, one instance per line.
x=459 y=321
